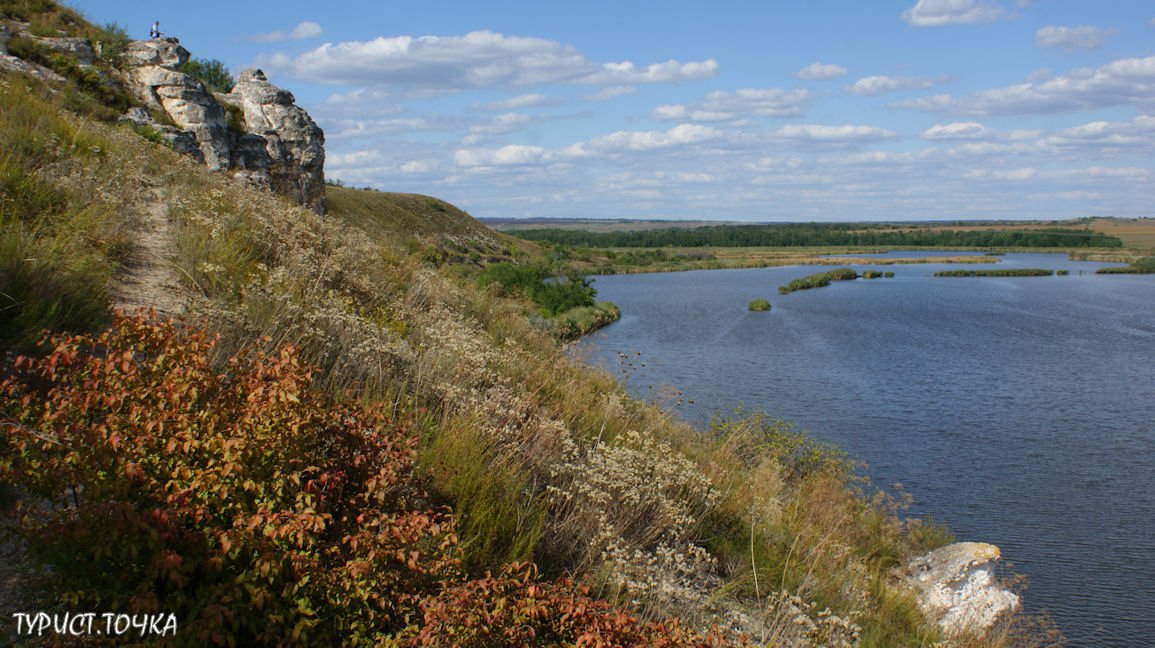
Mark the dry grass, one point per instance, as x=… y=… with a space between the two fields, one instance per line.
x=1135 y=232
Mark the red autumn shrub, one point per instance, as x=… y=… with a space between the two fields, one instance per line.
x=515 y=609
x=255 y=508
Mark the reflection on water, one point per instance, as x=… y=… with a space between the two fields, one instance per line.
x=1019 y=411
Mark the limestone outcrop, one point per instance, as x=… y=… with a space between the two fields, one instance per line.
x=152 y=73
x=292 y=142
x=270 y=141
x=956 y=586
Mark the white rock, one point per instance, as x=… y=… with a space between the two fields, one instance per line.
x=956 y=586
x=152 y=74
x=279 y=148
x=294 y=144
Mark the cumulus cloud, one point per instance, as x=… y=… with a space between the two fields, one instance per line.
x=607 y=93
x=340 y=129
x=957 y=130
x=303 y=31
x=873 y=86
x=822 y=71
x=511 y=155
x=531 y=100
x=475 y=60
x=1105 y=135
x=622 y=141
x=936 y=13
x=1011 y=175
x=1072 y=38
x=824 y=134
x=739 y=104
x=1122 y=82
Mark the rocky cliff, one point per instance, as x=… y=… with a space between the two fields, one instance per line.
x=256 y=131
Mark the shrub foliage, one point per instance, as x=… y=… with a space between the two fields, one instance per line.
x=213 y=73
x=257 y=509
x=253 y=507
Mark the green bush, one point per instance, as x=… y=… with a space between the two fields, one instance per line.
x=759 y=305
x=554 y=290
x=113 y=42
x=212 y=73
x=1146 y=265
x=818 y=280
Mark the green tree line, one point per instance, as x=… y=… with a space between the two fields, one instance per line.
x=823 y=234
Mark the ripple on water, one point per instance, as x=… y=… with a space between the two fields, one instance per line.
x=1017 y=413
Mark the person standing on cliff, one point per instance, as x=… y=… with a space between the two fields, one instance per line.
x=154 y=31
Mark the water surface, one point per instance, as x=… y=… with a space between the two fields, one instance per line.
x=1018 y=411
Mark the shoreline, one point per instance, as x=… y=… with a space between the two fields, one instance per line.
x=750 y=258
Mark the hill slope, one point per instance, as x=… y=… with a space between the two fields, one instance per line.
x=350 y=437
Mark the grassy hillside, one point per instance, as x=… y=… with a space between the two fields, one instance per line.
x=349 y=442
x=424 y=222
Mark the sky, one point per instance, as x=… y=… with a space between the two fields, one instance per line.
x=776 y=110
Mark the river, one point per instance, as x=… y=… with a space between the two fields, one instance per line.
x=1017 y=411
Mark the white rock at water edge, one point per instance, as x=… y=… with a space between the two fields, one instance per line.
x=956 y=586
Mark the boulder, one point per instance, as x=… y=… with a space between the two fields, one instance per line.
x=956 y=586
x=294 y=145
x=5 y=36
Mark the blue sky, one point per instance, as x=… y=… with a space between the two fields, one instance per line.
x=787 y=110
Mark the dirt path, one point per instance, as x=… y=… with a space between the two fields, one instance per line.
x=149 y=278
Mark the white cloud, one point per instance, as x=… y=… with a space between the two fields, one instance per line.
x=1072 y=38
x=531 y=100
x=844 y=134
x=936 y=13
x=739 y=104
x=1012 y=175
x=303 y=31
x=511 y=155
x=607 y=93
x=353 y=158
x=362 y=128
x=822 y=71
x=1122 y=82
x=1122 y=173
x=622 y=141
x=417 y=166
x=957 y=130
x=873 y=86
x=475 y=60
x=502 y=124
x=1105 y=135
x=680 y=112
